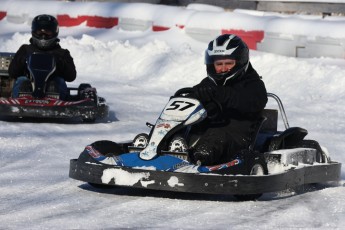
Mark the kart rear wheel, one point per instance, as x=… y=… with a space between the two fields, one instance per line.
x=83 y=86
x=257 y=170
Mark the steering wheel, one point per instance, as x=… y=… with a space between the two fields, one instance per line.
x=180 y=92
x=189 y=90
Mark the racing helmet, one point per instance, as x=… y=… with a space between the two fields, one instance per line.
x=44 y=31
x=226 y=46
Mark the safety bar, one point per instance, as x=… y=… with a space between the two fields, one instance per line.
x=281 y=109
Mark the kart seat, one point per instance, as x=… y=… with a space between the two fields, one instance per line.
x=289 y=137
x=256 y=129
x=264 y=129
x=267 y=138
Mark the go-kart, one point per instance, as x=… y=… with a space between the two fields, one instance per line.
x=41 y=100
x=160 y=160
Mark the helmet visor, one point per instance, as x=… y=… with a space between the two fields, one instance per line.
x=212 y=58
x=44 y=34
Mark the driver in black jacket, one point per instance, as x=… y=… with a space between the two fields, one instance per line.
x=44 y=30
x=235 y=93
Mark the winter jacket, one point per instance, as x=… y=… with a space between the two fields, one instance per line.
x=242 y=98
x=65 y=67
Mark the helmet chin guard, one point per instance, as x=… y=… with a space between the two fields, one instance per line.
x=45 y=44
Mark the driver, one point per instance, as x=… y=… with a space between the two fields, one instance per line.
x=44 y=30
x=235 y=86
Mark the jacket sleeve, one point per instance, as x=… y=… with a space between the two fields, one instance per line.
x=17 y=66
x=65 y=65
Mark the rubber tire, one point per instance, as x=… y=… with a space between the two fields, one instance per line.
x=258 y=161
x=142 y=135
x=108 y=148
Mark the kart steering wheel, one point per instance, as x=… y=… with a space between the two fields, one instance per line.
x=189 y=90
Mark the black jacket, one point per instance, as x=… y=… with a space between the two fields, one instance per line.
x=242 y=98
x=65 y=67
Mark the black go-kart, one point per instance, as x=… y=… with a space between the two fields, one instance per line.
x=41 y=100
x=160 y=160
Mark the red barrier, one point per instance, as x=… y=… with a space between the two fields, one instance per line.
x=102 y=22
x=159 y=28
x=2 y=14
x=156 y=28
x=180 y=26
x=66 y=20
x=251 y=38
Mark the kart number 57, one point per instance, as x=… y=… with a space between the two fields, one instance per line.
x=180 y=105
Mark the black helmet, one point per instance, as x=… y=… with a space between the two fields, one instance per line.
x=226 y=46
x=44 y=30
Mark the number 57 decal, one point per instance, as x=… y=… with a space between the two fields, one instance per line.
x=180 y=105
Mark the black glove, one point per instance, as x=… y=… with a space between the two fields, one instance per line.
x=59 y=59
x=204 y=93
x=60 y=62
x=213 y=111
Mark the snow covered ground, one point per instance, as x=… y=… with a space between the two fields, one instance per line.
x=137 y=72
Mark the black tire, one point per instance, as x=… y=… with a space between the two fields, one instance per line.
x=83 y=86
x=108 y=148
x=256 y=165
x=101 y=100
x=178 y=144
x=141 y=140
x=82 y=94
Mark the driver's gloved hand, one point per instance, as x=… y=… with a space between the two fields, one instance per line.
x=204 y=93
x=59 y=59
x=212 y=109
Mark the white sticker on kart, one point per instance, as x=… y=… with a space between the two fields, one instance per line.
x=179 y=109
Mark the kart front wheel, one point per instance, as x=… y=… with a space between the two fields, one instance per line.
x=141 y=140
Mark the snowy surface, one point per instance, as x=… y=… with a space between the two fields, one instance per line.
x=137 y=72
